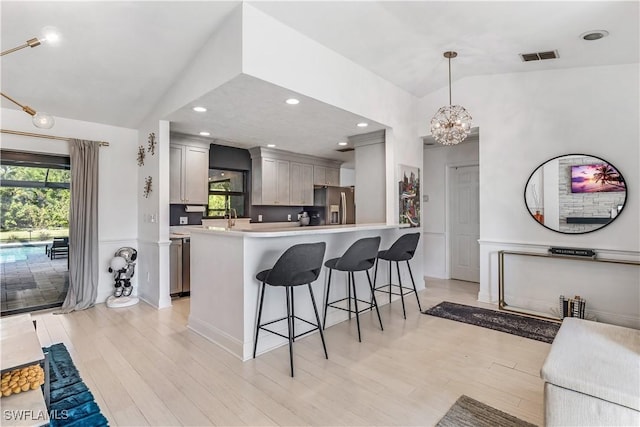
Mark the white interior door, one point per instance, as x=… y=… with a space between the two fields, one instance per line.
x=465 y=223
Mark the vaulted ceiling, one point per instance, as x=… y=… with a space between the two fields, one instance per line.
x=116 y=59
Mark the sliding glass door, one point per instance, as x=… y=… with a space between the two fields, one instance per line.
x=34 y=230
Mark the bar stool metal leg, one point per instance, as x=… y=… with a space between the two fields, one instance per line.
x=293 y=320
x=289 y=325
x=375 y=273
x=255 y=341
x=414 y=286
x=404 y=312
x=326 y=300
x=355 y=302
x=390 y=268
x=373 y=299
x=375 y=280
x=315 y=310
x=349 y=282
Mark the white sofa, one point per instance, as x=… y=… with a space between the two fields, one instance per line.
x=592 y=375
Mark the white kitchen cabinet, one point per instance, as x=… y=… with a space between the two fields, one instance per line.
x=323 y=175
x=189 y=174
x=270 y=182
x=301 y=184
x=283 y=178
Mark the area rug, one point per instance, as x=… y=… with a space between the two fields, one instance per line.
x=528 y=327
x=72 y=403
x=468 y=412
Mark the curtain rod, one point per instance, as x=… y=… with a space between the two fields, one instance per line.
x=39 y=135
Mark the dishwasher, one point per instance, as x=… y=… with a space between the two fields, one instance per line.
x=179 y=266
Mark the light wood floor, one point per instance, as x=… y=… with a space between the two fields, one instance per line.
x=145 y=367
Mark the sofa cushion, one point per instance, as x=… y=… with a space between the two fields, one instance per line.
x=596 y=359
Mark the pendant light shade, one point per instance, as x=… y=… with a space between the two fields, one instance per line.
x=43 y=120
x=451 y=123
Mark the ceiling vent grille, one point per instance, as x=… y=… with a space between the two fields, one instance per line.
x=345 y=150
x=539 y=56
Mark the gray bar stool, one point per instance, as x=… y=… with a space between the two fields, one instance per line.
x=360 y=256
x=298 y=265
x=402 y=250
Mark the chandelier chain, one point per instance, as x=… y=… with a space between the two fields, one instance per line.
x=449 y=79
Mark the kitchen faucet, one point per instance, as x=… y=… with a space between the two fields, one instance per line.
x=232 y=221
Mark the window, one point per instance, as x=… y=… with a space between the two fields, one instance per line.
x=227 y=189
x=34 y=195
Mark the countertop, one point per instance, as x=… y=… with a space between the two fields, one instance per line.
x=291 y=231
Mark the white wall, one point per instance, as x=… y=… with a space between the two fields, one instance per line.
x=347 y=177
x=258 y=45
x=528 y=118
x=217 y=62
x=437 y=159
x=370 y=187
x=278 y=54
x=153 y=237
x=117 y=191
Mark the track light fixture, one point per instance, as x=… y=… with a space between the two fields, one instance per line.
x=40 y=119
x=30 y=43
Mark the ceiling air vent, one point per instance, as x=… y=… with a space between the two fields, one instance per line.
x=345 y=150
x=538 y=56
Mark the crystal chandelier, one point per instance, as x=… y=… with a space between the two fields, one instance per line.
x=452 y=123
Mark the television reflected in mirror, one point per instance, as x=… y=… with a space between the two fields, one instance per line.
x=596 y=178
x=575 y=193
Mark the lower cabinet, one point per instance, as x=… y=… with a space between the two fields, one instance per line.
x=175 y=266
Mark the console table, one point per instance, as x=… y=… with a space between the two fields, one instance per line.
x=21 y=348
x=585 y=278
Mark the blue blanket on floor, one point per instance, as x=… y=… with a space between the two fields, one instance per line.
x=72 y=403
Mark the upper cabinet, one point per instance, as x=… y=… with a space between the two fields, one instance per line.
x=287 y=179
x=189 y=173
x=301 y=184
x=323 y=175
x=273 y=185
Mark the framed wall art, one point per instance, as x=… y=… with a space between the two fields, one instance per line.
x=409 y=195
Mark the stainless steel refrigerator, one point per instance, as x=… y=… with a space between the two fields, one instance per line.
x=337 y=204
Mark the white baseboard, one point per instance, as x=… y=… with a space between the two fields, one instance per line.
x=485 y=297
x=218 y=337
x=148 y=302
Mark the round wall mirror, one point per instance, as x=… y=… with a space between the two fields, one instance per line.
x=575 y=193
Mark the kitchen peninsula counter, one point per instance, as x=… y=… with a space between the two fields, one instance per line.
x=224 y=291
x=280 y=231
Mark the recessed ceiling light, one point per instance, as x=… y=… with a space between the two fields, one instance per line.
x=205 y=133
x=363 y=125
x=271 y=145
x=199 y=109
x=594 y=35
x=342 y=143
x=292 y=101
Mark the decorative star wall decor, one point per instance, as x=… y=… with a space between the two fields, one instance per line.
x=147 y=186
x=152 y=143
x=141 y=155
